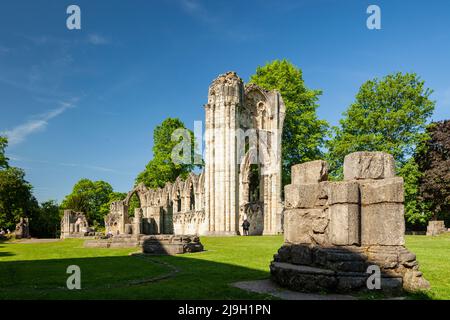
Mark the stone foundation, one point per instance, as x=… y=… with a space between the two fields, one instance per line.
x=152 y=244
x=335 y=231
x=343 y=269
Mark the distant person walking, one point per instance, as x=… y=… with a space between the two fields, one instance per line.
x=245 y=226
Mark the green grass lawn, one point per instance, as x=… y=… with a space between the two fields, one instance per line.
x=38 y=271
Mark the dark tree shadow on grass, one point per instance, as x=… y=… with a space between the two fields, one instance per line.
x=127 y=277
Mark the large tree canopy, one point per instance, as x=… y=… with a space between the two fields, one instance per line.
x=16 y=197
x=46 y=222
x=162 y=168
x=434 y=162
x=90 y=197
x=303 y=132
x=388 y=115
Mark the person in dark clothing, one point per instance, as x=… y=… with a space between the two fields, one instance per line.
x=246 y=226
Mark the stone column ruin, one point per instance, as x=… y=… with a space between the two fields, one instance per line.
x=335 y=230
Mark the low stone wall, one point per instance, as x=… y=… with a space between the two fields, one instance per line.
x=152 y=244
x=335 y=230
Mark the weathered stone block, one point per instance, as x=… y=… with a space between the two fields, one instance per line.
x=383 y=256
x=309 y=172
x=414 y=281
x=344 y=224
x=298 y=225
x=319 y=225
x=382 y=224
x=339 y=260
x=302 y=195
x=320 y=239
x=368 y=165
x=435 y=228
x=343 y=192
x=379 y=191
x=347 y=284
x=301 y=254
x=284 y=254
x=302 y=278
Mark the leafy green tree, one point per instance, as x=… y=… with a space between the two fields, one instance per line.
x=388 y=115
x=417 y=212
x=162 y=168
x=303 y=132
x=16 y=197
x=434 y=162
x=46 y=222
x=89 y=197
x=3 y=158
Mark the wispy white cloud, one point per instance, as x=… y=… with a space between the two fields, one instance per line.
x=18 y=158
x=196 y=9
x=39 y=123
x=97 y=39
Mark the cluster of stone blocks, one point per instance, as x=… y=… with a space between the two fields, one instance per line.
x=436 y=227
x=335 y=230
x=151 y=244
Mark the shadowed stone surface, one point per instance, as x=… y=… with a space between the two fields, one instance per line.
x=151 y=244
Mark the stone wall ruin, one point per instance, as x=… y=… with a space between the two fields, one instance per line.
x=241 y=180
x=335 y=230
x=74 y=225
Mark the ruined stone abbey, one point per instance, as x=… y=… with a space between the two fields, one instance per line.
x=241 y=177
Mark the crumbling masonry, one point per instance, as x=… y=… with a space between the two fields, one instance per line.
x=241 y=178
x=335 y=230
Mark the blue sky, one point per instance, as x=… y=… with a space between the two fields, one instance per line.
x=83 y=103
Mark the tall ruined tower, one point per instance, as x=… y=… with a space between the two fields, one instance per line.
x=242 y=174
x=225 y=96
x=242 y=179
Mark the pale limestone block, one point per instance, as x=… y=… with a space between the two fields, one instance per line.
x=344 y=224
x=301 y=195
x=368 y=165
x=379 y=191
x=382 y=224
x=298 y=225
x=343 y=192
x=309 y=172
